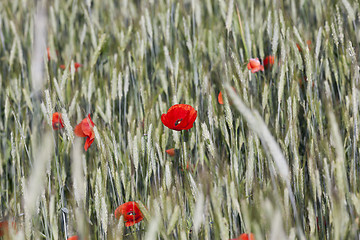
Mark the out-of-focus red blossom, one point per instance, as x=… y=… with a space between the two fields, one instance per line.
x=170 y=152
x=85 y=129
x=220 y=98
x=57 y=121
x=254 y=65
x=73 y=238
x=179 y=117
x=48 y=53
x=76 y=65
x=245 y=236
x=189 y=167
x=4 y=228
x=131 y=213
x=269 y=61
x=308 y=42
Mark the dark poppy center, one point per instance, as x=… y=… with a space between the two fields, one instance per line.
x=131 y=213
x=178 y=121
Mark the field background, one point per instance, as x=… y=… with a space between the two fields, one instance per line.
x=279 y=159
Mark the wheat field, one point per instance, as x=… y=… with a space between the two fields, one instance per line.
x=278 y=159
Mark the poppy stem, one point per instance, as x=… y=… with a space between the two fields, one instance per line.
x=182 y=149
x=57 y=144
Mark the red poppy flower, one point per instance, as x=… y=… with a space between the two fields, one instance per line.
x=254 y=65
x=73 y=238
x=269 y=61
x=131 y=213
x=220 y=98
x=4 y=227
x=171 y=152
x=85 y=129
x=57 y=122
x=76 y=65
x=245 y=236
x=179 y=117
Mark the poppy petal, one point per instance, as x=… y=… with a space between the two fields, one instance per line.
x=181 y=123
x=164 y=120
x=73 y=238
x=246 y=236
x=48 y=53
x=220 y=99
x=174 y=117
x=78 y=131
x=177 y=112
x=87 y=125
x=171 y=152
x=91 y=122
x=129 y=223
x=254 y=70
x=255 y=65
x=4 y=227
x=249 y=66
x=77 y=65
x=258 y=68
x=88 y=143
x=85 y=129
x=189 y=120
x=253 y=62
x=269 y=61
